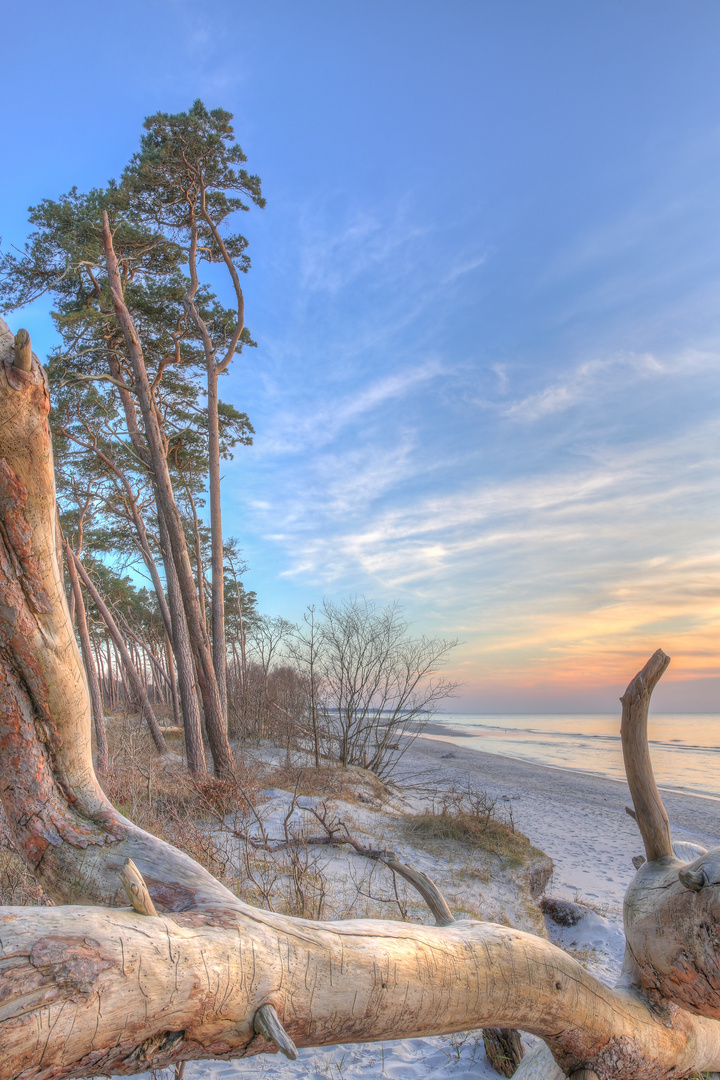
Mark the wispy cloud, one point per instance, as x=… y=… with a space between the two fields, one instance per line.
x=581 y=383
x=585 y=505
x=464 y=266
x=331 y=259
x=590 y=379
x=293 y=430
x=541 y=574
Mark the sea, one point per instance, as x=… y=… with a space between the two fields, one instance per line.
x=685 y=749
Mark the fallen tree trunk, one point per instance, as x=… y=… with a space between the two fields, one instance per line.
x=190 y=972
x=114 y=991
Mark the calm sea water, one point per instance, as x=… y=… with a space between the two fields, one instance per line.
x=685 y=749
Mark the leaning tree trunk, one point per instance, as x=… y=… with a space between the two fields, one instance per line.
x=101 y=743
x=139 y=684
x=194 y=748
x=190 y=972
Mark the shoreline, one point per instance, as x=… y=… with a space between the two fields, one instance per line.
x=578 y=818
x=447 y=740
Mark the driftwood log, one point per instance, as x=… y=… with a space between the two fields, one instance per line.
x=187 y=971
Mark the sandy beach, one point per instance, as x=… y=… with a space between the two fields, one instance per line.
x=578 y=819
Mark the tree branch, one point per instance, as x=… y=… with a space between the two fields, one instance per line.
x=650 y=813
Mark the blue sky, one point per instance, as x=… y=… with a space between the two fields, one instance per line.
x=485 y=292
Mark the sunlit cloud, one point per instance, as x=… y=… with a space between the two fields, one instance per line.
x=543 y=577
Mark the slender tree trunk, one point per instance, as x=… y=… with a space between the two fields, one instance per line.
x=177 y=716
x=218 y=584
x=243 y=659
x=144 y=653
x=212 y=703
x=90 y=669
x=122 y=648
x=111 y=676
x=99 y=668
x=198 y=554
x=194 y=748
x=120 y=667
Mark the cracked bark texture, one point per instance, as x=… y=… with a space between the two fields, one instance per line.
x=103 y=989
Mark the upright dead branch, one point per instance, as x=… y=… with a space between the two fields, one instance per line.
x=23 y=351
x=650 y=813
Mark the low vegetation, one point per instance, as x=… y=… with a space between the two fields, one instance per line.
x=472 y=818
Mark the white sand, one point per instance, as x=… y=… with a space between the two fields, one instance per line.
x=579 y=819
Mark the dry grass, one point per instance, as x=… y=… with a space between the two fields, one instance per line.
x=586 y=955
x=18 y=887
x=210 y=819
x=161 y=797
x=218 y=824
x=352 y=785
x=471 y=818
x=221 y=825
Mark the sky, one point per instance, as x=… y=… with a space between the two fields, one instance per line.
x=485 y=294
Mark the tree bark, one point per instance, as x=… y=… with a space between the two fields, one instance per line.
x=177 y=715
x=503 y=1049
x=198 y=554
x=194 y=748
x=107 y=989
x=90 y=668
x=216 y=536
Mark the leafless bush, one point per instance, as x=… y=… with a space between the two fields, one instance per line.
x=379 y=686
x=471 y=815
x=220 y=823
x=349 y=683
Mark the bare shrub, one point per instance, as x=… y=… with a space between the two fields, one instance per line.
x=471 y=816
x=220 y=823
x=380 y=686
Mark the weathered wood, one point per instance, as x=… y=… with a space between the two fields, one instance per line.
x=503 y=1049
x=117 y=992
x=266 y=1023
x=136 y=889
x=23 y=351
x=651 y=816
x=539 y=1064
